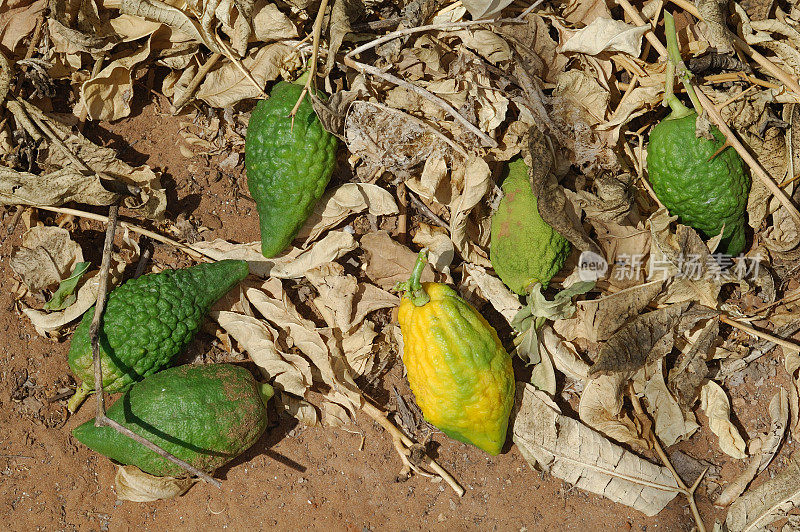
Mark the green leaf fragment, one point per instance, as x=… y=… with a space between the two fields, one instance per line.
x=65 y=296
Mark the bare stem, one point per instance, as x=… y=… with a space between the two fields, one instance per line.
x=312 y=69
x=403 y=444
x=675 y=59
x=687 y=491
x=101 y=419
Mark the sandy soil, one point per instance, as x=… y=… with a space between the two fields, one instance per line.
x=295 y=477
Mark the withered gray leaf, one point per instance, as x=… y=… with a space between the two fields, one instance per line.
x=612 y=201
x=343 y=14
x=53 y=188
x=690 y=370
x=554 y=207
x=332 y=112
x=648 y=338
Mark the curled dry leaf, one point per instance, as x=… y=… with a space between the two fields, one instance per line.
x=49 y=323
x=286 y=371
x=564 y=355
x=601 y=409
x=573 y=452
x=151 y=200
x=767 y=502
x=108 y=95
x=762 y=449
x=133 y=484
x=441 y=250
x=598 y=319
x=476 y=178
x=671 y=423
x=52 y=188
x=717 y=408
x=17 y=21
x=492 y=289
x=607 y=35
x=293 y=264
x=47 y=256
x=387 y=262
x=647 y=338
x=300 y=409
x=227 y=84
x=348 y=199
x=485 y=8
x=690 y=370
x=357 y=347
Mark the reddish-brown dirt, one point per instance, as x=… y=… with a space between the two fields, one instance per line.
x=295 y=477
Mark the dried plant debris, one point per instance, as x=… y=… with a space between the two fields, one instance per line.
x=431 y=99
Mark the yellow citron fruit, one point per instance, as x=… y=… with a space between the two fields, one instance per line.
x=459 y=372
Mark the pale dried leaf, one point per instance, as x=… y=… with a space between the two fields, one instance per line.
x=387 y=262
x=52 y=189
x=270 y=24
x=717 y=408
x=47 y=256
x=690 y=370
x=227 y=84
x=108 y=95
x=599 y=318
x=172 y=16
x=476 y=179
x=298 y=408
x=600 y=408
x=292 y=264
x=762 y=449
x=491 y=288
x=441 y=251
x=133 y=484
x=485 y=8
x=576 y=454
x=287 y=372
x=671 y=423
x=607 y=35
x=767 y=502
x=357 y=347
x=18 y=21
x=565 y=356
x=348 y=199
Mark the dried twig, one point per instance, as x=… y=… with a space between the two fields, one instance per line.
x=779 y=74
x=639 y=21
x=686 y=490
x=425 y=210
x=403 y=444
x=101 y=420
x=369 y=69
x=196 y=81
x=194 y=253
x=312 y=69
x=786 y=344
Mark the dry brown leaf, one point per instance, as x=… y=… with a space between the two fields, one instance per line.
x=300 y=409
x=357 y=347
x=441 y=250
x=647 y=338
x=476 y=178
x=292 y=264
x=576 y=454
x=597 y=319
x=108 y=95
x=348 y=199
x=565 y=356
x=133 y=484
x=49 y=323
x=584 y=91
x=52 y=189
x=174 y=17
x=492 y=289
x=151 y=200
x=600 y=408
x=47 y=256
x=485 y=8
x=585 y=11
x=287 y=372
x=227 y=84
x=270 y=24
x=762 y=449
x=387 y=262
x=717 y=408
x=671 y=423
x=607 y=35
x=690 y=370
x=767 y=502
x=17 y=21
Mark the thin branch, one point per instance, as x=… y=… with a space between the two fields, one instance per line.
x=312 y=69
x=101 y=420
x=760 y=334
x=755 y=166
x=403 y=444
x=194 y=253
x=687 y=491
x=425 y=210
x=369 y=69
x=776 y=71
x=196 y=81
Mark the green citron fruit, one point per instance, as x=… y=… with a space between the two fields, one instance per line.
x=289 y=163
x=524 y=249
x=205 y=415
x=705 y=187
x=146 y=322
